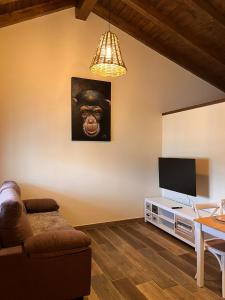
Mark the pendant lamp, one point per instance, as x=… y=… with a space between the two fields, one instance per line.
x=108 y=59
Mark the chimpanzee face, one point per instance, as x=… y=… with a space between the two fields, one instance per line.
x=91 y=116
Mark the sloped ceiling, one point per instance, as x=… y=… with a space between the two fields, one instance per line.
x=188 y=32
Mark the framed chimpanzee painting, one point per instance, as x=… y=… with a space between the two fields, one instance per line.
x=91 y=110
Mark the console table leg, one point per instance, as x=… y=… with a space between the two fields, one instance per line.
x=199 y=235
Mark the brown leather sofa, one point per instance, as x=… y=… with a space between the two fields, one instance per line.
x=41 y=257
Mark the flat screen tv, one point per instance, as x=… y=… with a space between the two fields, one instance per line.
x=178 y=174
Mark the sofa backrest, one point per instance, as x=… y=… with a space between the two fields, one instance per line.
x=10 y=184
x=14 y=224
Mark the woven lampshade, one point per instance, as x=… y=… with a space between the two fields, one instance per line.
x=108 y=59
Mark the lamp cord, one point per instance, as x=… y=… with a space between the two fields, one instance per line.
x=109 y=13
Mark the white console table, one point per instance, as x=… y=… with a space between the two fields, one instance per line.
x=177 y=222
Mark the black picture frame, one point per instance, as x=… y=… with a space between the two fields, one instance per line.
x=90 y=109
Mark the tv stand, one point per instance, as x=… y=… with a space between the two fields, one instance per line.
x=177 y=222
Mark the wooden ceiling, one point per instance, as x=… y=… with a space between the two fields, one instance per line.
x=188 y=32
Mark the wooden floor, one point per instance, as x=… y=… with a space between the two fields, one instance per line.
x=135 y=260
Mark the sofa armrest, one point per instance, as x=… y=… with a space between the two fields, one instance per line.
x=40 y=205
x=56 y=243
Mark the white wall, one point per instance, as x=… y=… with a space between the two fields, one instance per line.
x=199 y=133
x=93 y=181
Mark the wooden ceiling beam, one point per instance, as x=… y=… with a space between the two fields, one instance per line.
x=147 y=10
x=198 y=68
x=210 y=9
x=4 y=2
x=15 y=11
x=84 y=8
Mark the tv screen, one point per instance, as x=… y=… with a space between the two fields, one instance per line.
x=178 y=174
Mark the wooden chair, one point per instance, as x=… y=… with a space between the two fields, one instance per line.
x=215 y=246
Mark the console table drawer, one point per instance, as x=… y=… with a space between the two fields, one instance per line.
x=185 y=228
x=148 y=215
x=155 y=219
x=155 y=209
x=148 y=206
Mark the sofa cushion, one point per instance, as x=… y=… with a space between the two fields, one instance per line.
x=56 y=242
x=40 y=205
x=14 y=224
x=48 y=221
x=10 y=184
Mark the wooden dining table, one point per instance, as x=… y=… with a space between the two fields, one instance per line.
x=213 y=227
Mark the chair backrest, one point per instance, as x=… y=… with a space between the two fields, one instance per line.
x=211 y=207
x=222 y=206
